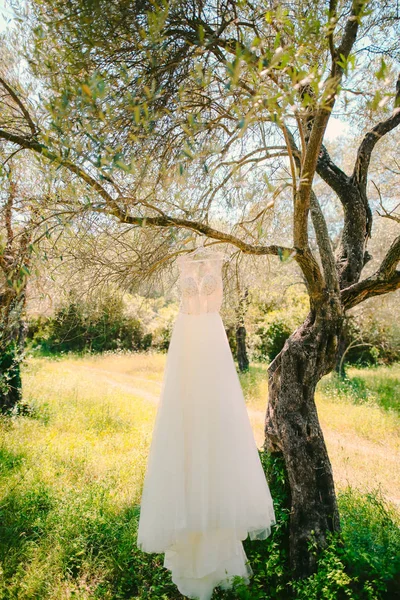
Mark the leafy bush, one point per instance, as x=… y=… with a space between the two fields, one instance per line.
x=371 y=340
x=364 y=562
x=11 y=357
x=371 y=534
x=366 y=386
x=80 y=326
x=353 y=389
x=76 y=538
x=273 y=336
x=273 y=329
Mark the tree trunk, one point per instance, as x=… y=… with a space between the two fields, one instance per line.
x=12 y=338
x=242 y=358
x=292 y=428
x=345 y=337
x=10 y=378
x=241 y=349
x=340 y=365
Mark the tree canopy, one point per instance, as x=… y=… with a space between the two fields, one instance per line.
x=209 y=118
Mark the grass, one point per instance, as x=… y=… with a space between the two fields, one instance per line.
x=72 y=468
x=360 y=421
x=75 y=464
x=378 y=386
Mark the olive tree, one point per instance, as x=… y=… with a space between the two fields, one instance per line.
x=197 y=118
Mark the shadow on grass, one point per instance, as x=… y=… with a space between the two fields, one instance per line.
x=10 y=461
x=77 y=540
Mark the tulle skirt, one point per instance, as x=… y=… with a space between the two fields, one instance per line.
x=204 y=490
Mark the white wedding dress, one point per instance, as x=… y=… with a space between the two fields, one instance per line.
x=204 y=490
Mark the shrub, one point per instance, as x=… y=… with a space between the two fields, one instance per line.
x=367 y=386
x=371 y=340
x=371 y=535
x=80 y=326
x=272 y=338
x=79 y=537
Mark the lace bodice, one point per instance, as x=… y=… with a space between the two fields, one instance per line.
x=201 y=284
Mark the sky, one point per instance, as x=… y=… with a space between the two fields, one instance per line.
x=336 y=127
x=4 y=12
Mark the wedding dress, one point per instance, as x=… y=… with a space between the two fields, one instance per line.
x=204 y=490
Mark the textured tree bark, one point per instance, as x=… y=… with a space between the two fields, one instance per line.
x=292 y=425
x=292 y=428
x=242 y=358
x=241 y=348
x=12 y=339
x=14 y=267
x=340 y=365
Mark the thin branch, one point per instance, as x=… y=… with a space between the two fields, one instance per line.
x=324 y=244
x=39 y=148
x=202 y=228
x=331 y=27
x=291 y=161
x=18 y=101
x=386 y=279
x=370 y=139
x=112 y=206
x=388 y=214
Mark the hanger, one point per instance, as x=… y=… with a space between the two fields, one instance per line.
x=204 y=250
x=201 y=249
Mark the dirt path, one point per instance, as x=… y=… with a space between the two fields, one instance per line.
x=111 y=378
x=351 y=455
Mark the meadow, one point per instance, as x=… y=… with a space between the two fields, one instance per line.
x=72 y=467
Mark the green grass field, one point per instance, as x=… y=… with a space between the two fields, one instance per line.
x=71 y=469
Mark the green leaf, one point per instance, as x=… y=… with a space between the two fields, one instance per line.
x=101 y=86
x=136 y=114
x=187 y=153
x=201 y=34
x=382 y=71
x=64 y=99
x=86 y=89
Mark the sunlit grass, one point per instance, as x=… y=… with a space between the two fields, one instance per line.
x=84 y=430
x=75 y=463
x=360 y=422
x=71 y=471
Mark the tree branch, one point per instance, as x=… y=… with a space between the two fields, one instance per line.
x=112 y=207
x=332 y=174
x=39 y=148
x=350 y=32
x=319 y=223
x=21 y=106
x=202 y=228
x=368 y=288
x=324 y=244
x=389 y=263
x=331 y=27
x=386 y=279
x=318 y=127
x=370 y=139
